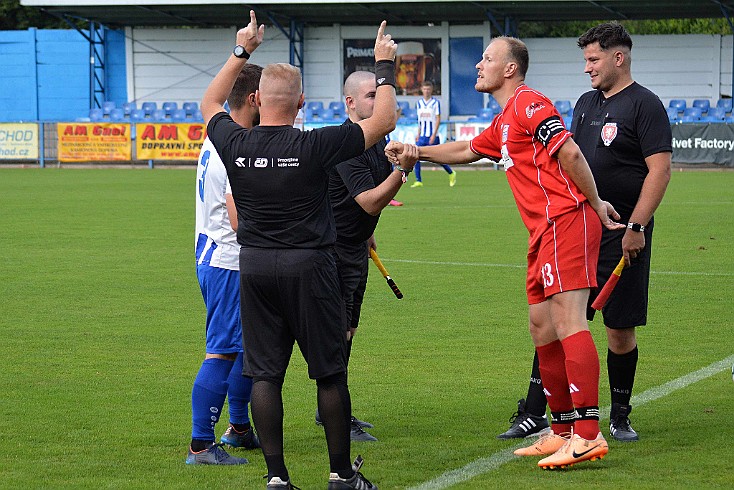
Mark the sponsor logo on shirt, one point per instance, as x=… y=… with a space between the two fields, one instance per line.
x=505 y=132
x=608 y=133
x=240 y=162
x=260 y=163
x=533 y=108
x=288 y=162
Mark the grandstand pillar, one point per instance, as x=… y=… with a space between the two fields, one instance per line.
x=97 y=79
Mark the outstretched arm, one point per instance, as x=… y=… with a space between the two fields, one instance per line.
x=216 y=94
x=373 y=201
x=452 y=153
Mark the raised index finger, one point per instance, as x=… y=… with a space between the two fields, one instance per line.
x=253 y=19
x=381 y=29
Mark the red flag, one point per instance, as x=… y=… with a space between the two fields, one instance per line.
x=606 y=291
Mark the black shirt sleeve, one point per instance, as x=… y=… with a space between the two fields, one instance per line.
x=223 y=131
x=339 y=143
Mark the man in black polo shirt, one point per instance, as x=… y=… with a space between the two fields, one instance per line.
x=360 y=189
x=289 y=284
x=623 y=131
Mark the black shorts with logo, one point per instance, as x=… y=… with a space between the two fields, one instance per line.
x=627 y=306
x=287 y=296
x=353 y=263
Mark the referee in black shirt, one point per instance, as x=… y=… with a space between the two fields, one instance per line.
x=359 y=189
x=289 y=284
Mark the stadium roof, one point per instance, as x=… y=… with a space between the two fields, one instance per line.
x=397 y=12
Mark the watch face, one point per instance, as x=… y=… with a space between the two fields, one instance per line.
x=239 y=51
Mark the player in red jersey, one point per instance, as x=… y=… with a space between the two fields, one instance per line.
x=559 y=204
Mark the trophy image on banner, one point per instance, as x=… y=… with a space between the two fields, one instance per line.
x=413 y=66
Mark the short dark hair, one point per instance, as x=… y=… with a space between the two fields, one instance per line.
x=608 y=35
x=427 y=83
x=517 y=52
x=247 y=83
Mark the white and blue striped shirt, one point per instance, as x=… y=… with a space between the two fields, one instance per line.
x=428 y=115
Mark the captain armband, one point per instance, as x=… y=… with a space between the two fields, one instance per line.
x=548 y=128
x=385 y=73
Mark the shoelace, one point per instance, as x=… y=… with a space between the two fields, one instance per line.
x=357 y=428
x=364 y=480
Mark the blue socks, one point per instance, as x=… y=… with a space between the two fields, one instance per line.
x=240 y=388
x=207 y=397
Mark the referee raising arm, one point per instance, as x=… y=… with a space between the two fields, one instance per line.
x=289 y=286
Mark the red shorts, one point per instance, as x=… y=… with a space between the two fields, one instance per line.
x=564 y=256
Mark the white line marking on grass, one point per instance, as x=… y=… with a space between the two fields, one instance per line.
x=491 y=463
x=523 y=266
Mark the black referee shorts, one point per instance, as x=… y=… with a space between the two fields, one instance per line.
x=287 y=296
x=353 y=264
x=627 y=306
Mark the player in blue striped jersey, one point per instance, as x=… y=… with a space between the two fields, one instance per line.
x=429 y=119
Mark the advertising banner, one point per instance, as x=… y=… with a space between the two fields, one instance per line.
x=416 y=60
x=169 y=141
x=18 y=141
x=91 y=142
x=703 y=143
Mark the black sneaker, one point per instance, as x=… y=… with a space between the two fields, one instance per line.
x=361 y=423
x=214 y=454
x=247 y=440
x=524 y=424
x=619 y=424
x=357 y=481
x=275 y=483
x=357 y=433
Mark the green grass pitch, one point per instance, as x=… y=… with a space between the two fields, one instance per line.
x=102 y=328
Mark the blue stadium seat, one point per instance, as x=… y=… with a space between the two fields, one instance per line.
x=725 y=104
x=411 y=114
x=129 y=107
x=107 y=106
x=563 y=106
x=485 y=114
x=315 y=105
x=137 y=115
x=117 y=114
x=149 y=107
x=694 y=112
x=326 y=115
x=689 y=119
x=494 y=105
x=567 y=120
x=198 y=116
x=158 y=115
x=307 y=115
x=338 y=106
x=672 y=114
x=679 y=104
x=169 y=107
x=715 y=115
x=96 y=114
x=190 y=108
x=179 y=115
x=404 y=106
x=702 y=104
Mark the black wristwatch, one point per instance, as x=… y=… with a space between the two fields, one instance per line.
x=635 y=226
x=240 y=52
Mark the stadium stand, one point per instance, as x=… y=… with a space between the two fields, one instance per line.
x=672 y=114
x=315 y=105
x=485 y=114
x=404 y=106
x=494 y=105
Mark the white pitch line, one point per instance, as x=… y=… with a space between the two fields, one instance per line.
x=491 y=463
x=523 y=266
